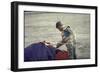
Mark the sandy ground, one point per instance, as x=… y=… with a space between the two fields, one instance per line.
x=40 y=26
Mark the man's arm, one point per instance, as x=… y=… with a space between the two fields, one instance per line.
x=58 y=45
x=64 y=40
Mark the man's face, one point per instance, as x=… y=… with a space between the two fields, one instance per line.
x=60 y=28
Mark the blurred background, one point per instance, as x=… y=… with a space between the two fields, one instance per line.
x=40 y=26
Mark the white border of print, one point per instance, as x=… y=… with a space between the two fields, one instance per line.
x=22 y=64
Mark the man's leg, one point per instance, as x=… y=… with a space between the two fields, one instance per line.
x=71 y=51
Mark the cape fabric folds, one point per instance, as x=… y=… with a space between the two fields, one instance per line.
x=41 y=52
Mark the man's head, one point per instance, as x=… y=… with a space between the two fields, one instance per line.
x=59 y=26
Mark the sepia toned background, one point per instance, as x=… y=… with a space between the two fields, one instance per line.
x=40 y=26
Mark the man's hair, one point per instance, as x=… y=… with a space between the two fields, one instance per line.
x=68 y=26
x=58 y=24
